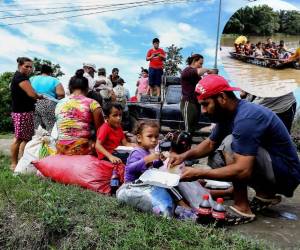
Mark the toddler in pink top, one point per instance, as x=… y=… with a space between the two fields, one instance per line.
x=143 y=85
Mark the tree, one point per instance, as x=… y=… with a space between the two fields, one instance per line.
x=258 y=20
x=290 y=22
x=5 y=102
x=173 y=60
x=37 y=63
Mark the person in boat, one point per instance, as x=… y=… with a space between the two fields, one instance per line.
x=295 y=57
x=282 y=51
x=247 y=48
x=259 y=51
x=270 y=49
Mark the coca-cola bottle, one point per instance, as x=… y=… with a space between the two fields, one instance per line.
x=114 y=182
x=204 y=211
x=219 y=213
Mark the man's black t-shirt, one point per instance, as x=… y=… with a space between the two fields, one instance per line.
x=21 y=102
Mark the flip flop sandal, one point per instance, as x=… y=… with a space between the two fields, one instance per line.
x=257 y=204
x=236 y=217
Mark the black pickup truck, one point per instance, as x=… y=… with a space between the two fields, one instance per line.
x=167 y=111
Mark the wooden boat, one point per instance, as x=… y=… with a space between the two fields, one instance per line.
x=265 y=62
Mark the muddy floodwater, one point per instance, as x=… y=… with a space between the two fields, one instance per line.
x=245 y=74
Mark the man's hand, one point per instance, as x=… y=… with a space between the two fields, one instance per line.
x=190 y=174
x=175 y=160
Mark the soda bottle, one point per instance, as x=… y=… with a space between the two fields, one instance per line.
x=219 y=213
x=204 y=211
x=114 y=182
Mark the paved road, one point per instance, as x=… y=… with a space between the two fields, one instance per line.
x=5 y=146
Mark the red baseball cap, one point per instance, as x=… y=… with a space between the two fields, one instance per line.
x=212 y=84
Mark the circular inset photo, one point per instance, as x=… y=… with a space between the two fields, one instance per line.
x=261 y=50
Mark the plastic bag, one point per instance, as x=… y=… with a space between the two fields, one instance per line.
x=193 y=193
x=83 y=170
x=32 y=151
x=159 y=178
x=147 y=198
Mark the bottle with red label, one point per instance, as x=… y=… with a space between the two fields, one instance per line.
x=114 y=182
x=219 y=213
x=204 y=211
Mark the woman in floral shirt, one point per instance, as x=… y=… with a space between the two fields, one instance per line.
x=75 y=116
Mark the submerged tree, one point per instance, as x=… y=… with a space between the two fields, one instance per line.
x=173 y=60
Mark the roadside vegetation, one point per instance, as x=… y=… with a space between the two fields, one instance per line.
x=39 y=214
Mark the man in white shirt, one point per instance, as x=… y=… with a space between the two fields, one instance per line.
x=103 y=85
x=89 y=71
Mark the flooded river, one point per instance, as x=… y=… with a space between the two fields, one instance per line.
x=248 y=76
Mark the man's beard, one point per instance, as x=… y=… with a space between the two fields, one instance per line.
x=220 y=114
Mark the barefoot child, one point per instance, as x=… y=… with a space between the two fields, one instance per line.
x=141 y=158
x=110 y=135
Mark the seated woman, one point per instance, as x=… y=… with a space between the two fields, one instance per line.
x=259 y=51
x=52 y=90
x=75 y=115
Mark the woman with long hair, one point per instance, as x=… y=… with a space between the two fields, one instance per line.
x=23 y=101
x=190 y=76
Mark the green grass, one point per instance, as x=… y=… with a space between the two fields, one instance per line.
x=40 y=214
x=6 y=135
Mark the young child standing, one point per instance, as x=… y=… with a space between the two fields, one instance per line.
x=156 y=56
x=141 y=158
x=143 y=85
x=110 y=135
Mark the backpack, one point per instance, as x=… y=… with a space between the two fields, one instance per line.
x=178 y=142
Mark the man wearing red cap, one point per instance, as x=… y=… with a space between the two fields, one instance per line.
x=254 y=147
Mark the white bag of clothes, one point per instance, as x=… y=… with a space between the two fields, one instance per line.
x=147 y=198
x=193 y=193
x=40 y=146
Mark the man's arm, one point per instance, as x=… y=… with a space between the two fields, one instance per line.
x=241 y=169
x=201 y=150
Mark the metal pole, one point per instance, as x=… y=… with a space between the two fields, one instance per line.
x=218 y=35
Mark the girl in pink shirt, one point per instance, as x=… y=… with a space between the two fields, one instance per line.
x=143 y=85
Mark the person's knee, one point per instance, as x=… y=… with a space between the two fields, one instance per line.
x=17 y=141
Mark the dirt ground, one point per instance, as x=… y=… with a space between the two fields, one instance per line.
x=280 y=225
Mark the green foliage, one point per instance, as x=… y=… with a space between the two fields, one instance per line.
x=173 y=60
x=263 y=20
x=290 y=22
x=37 y=63
x=5 y=102
x=40 y=214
